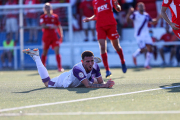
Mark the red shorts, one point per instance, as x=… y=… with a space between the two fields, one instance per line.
x=50 y=42
x=109 y=31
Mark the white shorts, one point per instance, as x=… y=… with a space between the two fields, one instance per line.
x=11 y=25
x=143 y=40
x=90 y=24
x=58 y=81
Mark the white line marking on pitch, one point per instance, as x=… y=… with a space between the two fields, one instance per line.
x=92 y=113
x=84 y=99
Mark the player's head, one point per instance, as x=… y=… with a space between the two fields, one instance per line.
x=8 y=36
x=47 y=8
x=87 y=60
x=141 y=7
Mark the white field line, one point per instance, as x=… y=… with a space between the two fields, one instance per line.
x=91 y=113
x=84 y=99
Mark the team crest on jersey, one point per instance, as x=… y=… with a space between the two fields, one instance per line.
x=81 y=75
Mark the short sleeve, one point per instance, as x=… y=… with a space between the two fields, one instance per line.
x=166 y=3
x=57 y=19
x=149 y=18
x=98 y=73
x=78 y=73
x=41 y=21
x=132 y=16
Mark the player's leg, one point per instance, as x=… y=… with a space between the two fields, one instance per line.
x=3 y=55
x=58 y=59
x=46 y=45
x=172 y=54
x=113 y=35
x=148 y=56
x=85 y=28
x=41 y=69
x=103 y=48
x=119 y=51
x=9 y=55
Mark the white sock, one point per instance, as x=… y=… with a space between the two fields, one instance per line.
x=148 y=57
x=136 y=53
x=41 y=69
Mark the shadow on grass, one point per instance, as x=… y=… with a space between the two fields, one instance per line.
x=77 y=90
x=138 y=69
x=174 y=87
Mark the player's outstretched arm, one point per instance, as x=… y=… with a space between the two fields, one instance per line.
x=87 y=84
x=155 y=20
x=116 y=6
x=130 y=11
x=87 y=19
x=164 y=15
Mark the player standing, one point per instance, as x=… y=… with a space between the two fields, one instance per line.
x=141 y=19
x=174 y=6
x=50 y=24
x=106 y=27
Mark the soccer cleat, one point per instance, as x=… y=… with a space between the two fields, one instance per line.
x=97 y=59
x=148 y=67
x=134 y=60
x=124 y=68
x=31 y=52
x=108 y=74
x=61 y=69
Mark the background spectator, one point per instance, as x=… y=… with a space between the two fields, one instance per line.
x=167 y=37
x=8 y=45
x=31 y=16
x=86 y=10
x=11 y=20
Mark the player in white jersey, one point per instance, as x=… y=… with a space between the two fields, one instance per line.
x=141 y=19
x=84 y=73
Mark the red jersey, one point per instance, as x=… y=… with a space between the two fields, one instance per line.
x=13 y=15
x=31 y=13
x=166 y=37
x=49 y=21
x=103 y=10
x=174 y=6
x=87 y=8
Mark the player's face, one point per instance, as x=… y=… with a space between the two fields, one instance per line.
x=141 y=8
x=47 y=9
x=88 y=63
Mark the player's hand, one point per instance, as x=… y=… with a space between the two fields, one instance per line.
x=118 y=7
x=131 y=10
x=109 y=83
x=86 y=19
x=174 y=26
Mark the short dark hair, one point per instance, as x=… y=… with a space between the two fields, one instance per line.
x=87 y=53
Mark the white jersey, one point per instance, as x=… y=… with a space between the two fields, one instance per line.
x=140 y=23
x=75 y=76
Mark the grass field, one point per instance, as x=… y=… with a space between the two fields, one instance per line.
x=137 y=95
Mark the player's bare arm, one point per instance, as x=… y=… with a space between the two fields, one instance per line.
x=130 y=11
x=90 y=18
x=100 y=80
x=117 y=6
x=87 y=84
x=61 y=30
x=164 y=15
x=155 y=20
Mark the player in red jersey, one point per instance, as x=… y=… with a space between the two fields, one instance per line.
x=50 y=24
x=174 y=6
x=106 y=27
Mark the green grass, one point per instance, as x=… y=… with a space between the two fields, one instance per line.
x=24 y=88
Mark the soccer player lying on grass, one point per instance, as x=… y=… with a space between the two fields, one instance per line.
x=83 y=73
